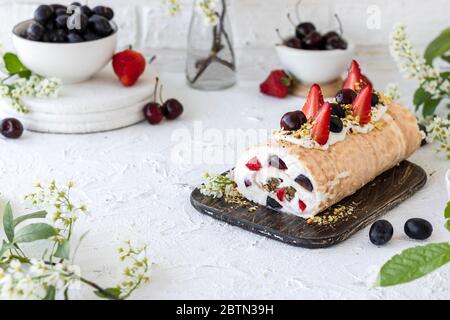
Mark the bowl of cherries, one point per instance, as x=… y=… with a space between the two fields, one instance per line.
x=71 y=43
x=315 y=57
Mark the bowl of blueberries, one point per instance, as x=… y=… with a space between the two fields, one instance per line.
x=314 y=57
x=71 y=43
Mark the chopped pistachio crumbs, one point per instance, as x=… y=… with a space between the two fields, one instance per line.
x=223 y=186
x=272 y=184
x=337 y=214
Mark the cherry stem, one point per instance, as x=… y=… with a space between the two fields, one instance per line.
x=341 y=30
x=160 y=94
x=279 y=34
x=156 y=89
x=290 y=19
x=297 y=10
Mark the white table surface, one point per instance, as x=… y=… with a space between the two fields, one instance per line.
x=134 y=192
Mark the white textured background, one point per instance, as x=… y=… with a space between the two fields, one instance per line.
x=145 y=24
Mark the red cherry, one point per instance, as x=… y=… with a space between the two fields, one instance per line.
x=11 y=128
x=172 y=109
x=153 y=113
x=254 y=164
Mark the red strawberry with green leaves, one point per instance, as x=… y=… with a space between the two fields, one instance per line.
x=277 y=84
x=314 y=102
x=361 y=106
x=355 y=79
x=320 y=130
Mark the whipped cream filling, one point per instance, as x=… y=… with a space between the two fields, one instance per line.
x=307 y=142
x=253 y=184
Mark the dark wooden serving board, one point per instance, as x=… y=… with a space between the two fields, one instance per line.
x=369 y=203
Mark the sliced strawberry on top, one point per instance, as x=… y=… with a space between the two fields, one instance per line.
x=320 y=131
x=354 y=77
x=281 y=193
x=254 y=164
x=314 y=102
x=362 y=105
x=277 y=84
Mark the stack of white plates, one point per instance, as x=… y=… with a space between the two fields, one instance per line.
x=100 y=104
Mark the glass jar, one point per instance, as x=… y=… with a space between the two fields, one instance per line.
x=211 y=62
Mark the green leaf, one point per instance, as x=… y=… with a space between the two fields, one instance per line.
x=34 y=232
x=446 y=58
x=5 y=247
x=114 y=291
x=51 y=292
x=414 y=263
x=8 y=222
x=420 y=96
x=14 y=66
x=430 y=106
x=34 y=215
x=63 y=250
x=445 y=74
x=447 y=211
x=438 y=47
x=447 y=224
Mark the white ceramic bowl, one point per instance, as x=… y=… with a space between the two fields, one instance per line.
x=69 y=62
x=315 y=66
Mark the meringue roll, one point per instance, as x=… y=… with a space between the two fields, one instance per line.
x=302 y=180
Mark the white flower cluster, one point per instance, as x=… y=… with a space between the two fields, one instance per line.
x=56 y=201
x=173 y=6
x=393 y=91
x=35 y=86
x=414 y=65
x=219 y=186
x=439 y=130
x=34 y=280
x=208 y=9
x=136 y=273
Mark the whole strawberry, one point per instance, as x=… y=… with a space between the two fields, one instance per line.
x=129 y=65
x=277 y=84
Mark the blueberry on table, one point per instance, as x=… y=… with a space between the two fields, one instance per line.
x=337 y=110
x=103 y=11
x=292 y=121
x=303 y=29
x=43 y=13
x=345 y=96
x=35 y=31
x=303 y=181
x=172 y=109
x=11 y=128
x=381 y=232
x=273 y=204
x=419 y=229
x=336 y=124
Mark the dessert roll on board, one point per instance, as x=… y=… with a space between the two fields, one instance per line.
x=328 y=151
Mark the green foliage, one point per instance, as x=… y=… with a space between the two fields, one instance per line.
x=15 y=67
x=438 y=47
